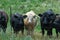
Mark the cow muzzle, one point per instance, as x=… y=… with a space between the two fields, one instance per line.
x=29 y=21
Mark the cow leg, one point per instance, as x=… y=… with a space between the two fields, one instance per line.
x=22 y=31
x=32 y=32
x=43 y=31
x=16 y=32
x=28 y=32
x=50 y=33
x=57 y=32
x=4 y=28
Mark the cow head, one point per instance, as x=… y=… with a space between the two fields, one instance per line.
x=47 y=17
x=31 y=18
x=20 y=18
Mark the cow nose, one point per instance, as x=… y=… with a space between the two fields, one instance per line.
x=29 y=21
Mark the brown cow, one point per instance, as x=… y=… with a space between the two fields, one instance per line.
x=3 y=20
x=30 y=22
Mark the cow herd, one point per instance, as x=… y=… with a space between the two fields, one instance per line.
x=28 y=21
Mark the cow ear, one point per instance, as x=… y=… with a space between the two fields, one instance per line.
x=15 y=16
x=24 y=16
x=34 y=16
x=40 y=15
x=57 y=14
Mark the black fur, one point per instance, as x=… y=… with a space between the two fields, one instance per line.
x=17 y=22
x=3 y=20
x=46 y=19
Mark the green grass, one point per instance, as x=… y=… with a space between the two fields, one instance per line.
x=23 y=6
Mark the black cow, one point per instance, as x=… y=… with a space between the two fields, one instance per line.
x=56 y=24
x=46 y=20
x=17 y=22
x=3 y=20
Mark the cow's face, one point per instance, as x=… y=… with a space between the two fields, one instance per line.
x=20 y=18
x=44 y=19
x=47 y=17
x=31 y=18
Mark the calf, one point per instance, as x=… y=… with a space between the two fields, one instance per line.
x=3 y=20
x=17 y=22
x=30 y=22
x=46 y=20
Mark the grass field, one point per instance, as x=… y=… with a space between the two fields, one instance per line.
x=23 y=6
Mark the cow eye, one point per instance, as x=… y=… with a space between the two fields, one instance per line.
x=34 y=16
x=16 y=16
x=25 y=16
